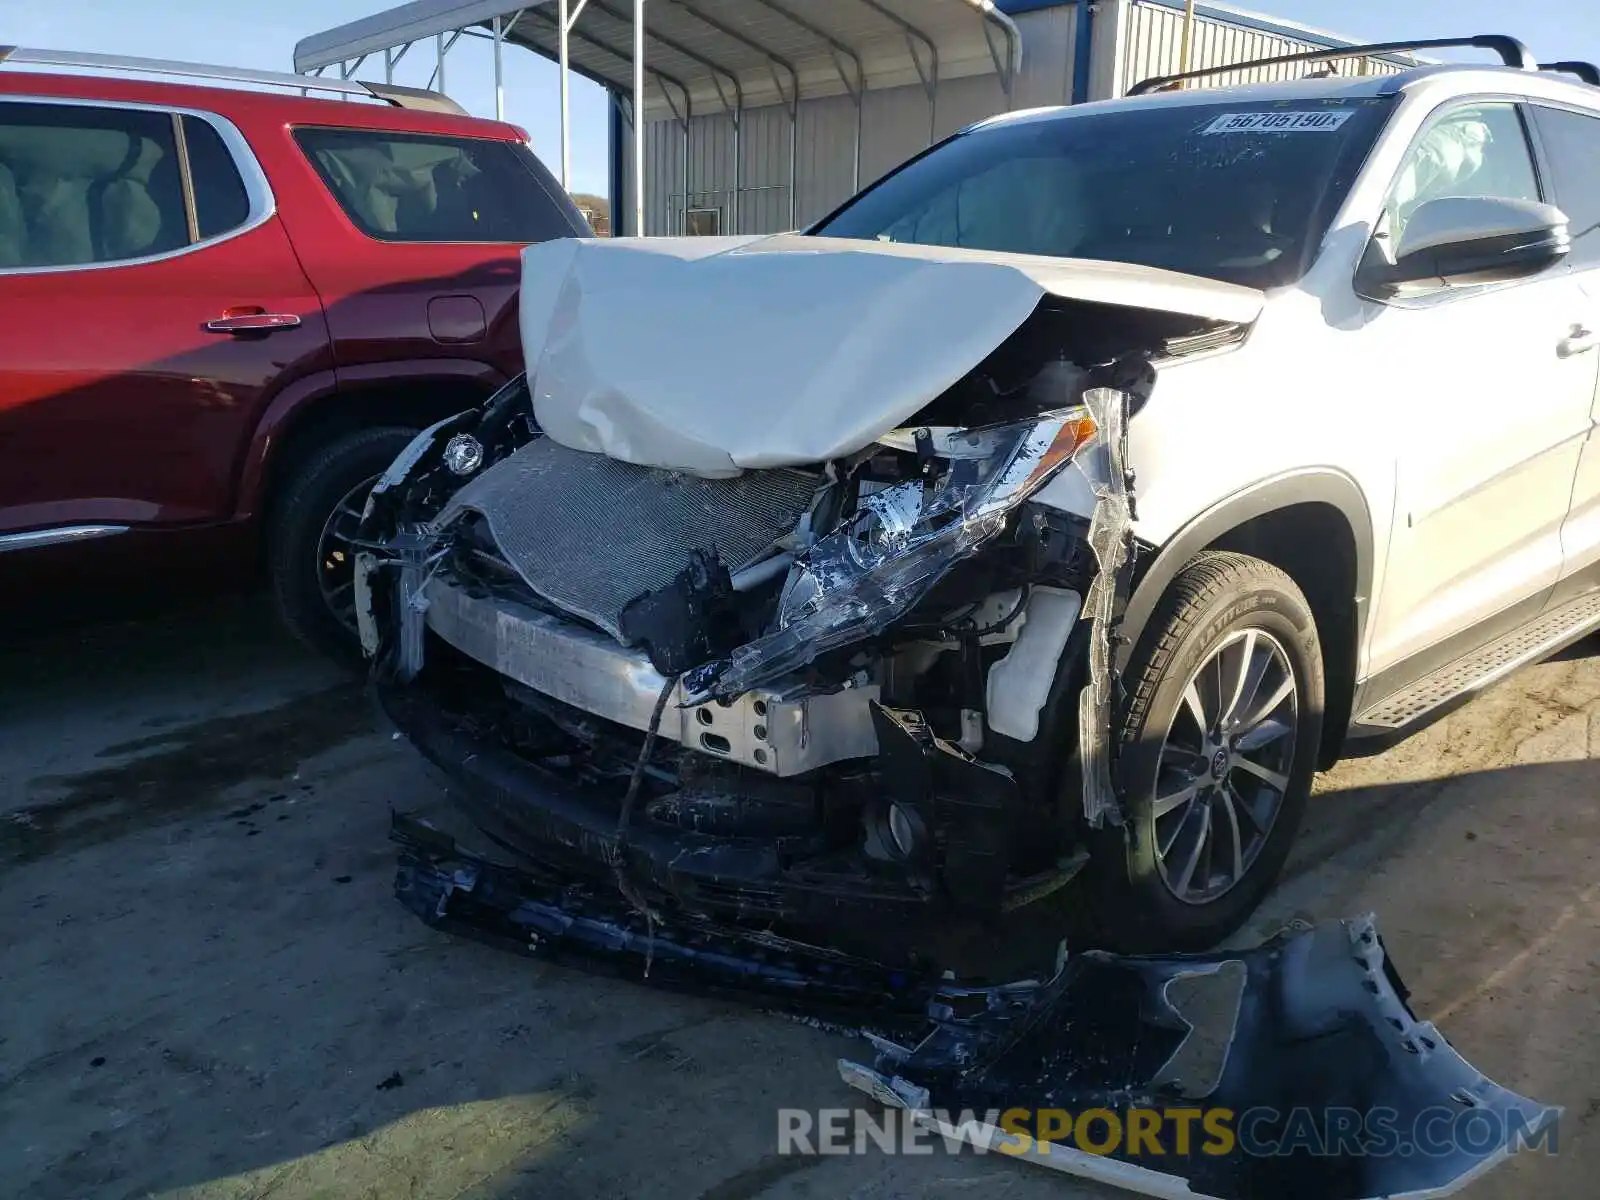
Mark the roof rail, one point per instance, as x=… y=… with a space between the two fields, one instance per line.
x=1585 y=71
x=400 y=97
x=1512 y=52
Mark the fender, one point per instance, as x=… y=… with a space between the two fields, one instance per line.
x=320 y=386
x=1322 y=485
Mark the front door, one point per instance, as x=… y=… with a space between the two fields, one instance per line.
x=1487 y=415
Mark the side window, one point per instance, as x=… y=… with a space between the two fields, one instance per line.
x=82 y=185
x=220 y=201
x=1572 y=143
x=401 y=187
x=1476 y=150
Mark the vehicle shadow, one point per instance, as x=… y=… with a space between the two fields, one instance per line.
x=217 y=996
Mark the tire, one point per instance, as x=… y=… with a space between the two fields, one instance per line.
x=1233 y=626
x=325 y=479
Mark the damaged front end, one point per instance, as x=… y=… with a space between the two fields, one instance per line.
x=765 y=701
x=809 y=627
x=795 y=695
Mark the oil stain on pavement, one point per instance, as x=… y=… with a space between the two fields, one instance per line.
x=178 y=770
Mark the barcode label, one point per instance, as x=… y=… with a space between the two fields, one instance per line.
x=1278 y=122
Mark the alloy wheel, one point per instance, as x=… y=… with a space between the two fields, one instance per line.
x=1224 y=766
x=336 y=559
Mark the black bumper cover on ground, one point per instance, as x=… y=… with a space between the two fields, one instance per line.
x=1321 y=1025
x=590 y=924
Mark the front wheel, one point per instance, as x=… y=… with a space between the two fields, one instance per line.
x=311 y=558
x=1217 y=747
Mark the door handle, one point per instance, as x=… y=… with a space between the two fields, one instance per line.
x=1580 y=341
x=260 y=322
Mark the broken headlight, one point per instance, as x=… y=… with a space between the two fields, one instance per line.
x=875 y=566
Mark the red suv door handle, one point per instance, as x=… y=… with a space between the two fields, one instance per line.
x=258 y=322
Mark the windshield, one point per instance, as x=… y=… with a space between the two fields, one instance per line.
x=1241 y=192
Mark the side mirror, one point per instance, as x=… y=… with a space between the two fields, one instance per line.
x=1459 y=241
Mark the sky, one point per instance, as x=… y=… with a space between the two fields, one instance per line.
x=263 y=35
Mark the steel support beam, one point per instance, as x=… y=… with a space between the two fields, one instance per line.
x=929 y=72
x=717 y=70
x=775 y=61
x=638 y=117
x=441 y=48
x=1005 y=65
x=855 y=88
x=683 y=119
x=567 y=18
x=564 y=21
x=718 y=74
x=621 y=101
x=499 y=77
x=1187 y=45
x=622 y=55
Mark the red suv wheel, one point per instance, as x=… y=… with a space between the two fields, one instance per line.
x=311 y=561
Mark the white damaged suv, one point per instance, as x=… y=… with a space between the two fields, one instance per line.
x=1053 y=509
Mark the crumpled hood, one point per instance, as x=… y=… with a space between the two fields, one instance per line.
x=716 y=355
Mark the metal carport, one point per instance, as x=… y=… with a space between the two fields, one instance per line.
x=693 y=57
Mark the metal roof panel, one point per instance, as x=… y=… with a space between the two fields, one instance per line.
x=699 y=41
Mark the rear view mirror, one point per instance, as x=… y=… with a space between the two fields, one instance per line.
x=1458 y=241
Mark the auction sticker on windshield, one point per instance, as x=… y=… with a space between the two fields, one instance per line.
x=1325 y=121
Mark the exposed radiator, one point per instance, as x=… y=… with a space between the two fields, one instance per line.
x=590 y=533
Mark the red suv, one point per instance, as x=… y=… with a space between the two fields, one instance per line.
x=227 y=309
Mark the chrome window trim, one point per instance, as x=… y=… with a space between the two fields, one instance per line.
x=263 y=204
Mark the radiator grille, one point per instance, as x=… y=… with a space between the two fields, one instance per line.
x=589 y=533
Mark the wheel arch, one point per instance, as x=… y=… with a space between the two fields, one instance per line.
x=414 y=394
x=1314 y=525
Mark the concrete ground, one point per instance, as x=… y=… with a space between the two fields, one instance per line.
x=206 y=989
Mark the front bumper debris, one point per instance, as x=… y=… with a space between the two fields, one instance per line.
x=1331 y=1087
x=570 y=920
x=1321 y=1028
x=782 y=874
x=770 y=729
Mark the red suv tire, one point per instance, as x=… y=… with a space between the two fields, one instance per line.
x=309 y=557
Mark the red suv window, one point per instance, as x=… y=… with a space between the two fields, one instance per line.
x=81 y=184
x=220 y=200
x=402 y=187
